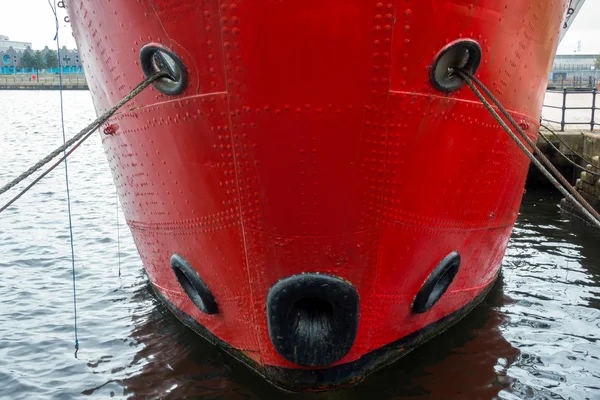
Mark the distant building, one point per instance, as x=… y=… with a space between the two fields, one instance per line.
x=10 y=61
x=6 y=44
x=576 y=68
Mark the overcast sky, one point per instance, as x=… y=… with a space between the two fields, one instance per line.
x=33 y=21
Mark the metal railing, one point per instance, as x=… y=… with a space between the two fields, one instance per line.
x=560 y=81
x=564 y=108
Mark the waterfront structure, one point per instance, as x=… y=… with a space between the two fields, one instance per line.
x=11 y=53
x=6 y=43
x=575 y=69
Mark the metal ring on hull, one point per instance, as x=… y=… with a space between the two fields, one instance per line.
x=437 y=283
x=461 y=54
x=154 y=58
x=193 y=285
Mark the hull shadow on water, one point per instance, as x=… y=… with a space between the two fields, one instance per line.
x=461 y=363
x=504 y=348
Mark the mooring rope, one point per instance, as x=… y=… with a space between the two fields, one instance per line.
x=567 y=157
x=75 y=141
x=564 y=187
x=557 y=136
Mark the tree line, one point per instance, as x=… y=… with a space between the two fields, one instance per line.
x=36 y=60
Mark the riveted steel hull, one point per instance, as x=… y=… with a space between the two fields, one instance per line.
x=309 y=139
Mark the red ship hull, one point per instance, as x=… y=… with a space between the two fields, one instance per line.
x=310 y=201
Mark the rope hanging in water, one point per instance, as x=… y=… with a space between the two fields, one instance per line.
x=62 y=124
x=75 y=141
x=118 y=233
x=73 y=144
x=563 y=187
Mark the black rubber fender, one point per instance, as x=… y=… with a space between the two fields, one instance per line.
x=313 y=318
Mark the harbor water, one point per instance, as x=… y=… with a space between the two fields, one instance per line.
x=535 y=336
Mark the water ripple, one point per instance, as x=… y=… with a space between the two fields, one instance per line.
x=536 y=336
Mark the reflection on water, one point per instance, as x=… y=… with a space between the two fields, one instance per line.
x=460 y=364
x=536 y=335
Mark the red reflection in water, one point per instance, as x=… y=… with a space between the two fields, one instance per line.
x=466 y=362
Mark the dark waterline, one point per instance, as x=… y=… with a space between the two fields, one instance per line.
x=535 y=336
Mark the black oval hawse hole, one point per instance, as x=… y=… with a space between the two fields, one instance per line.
x=437 y=283
x=193 y=285
x=154 y=58
x=462 y=54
